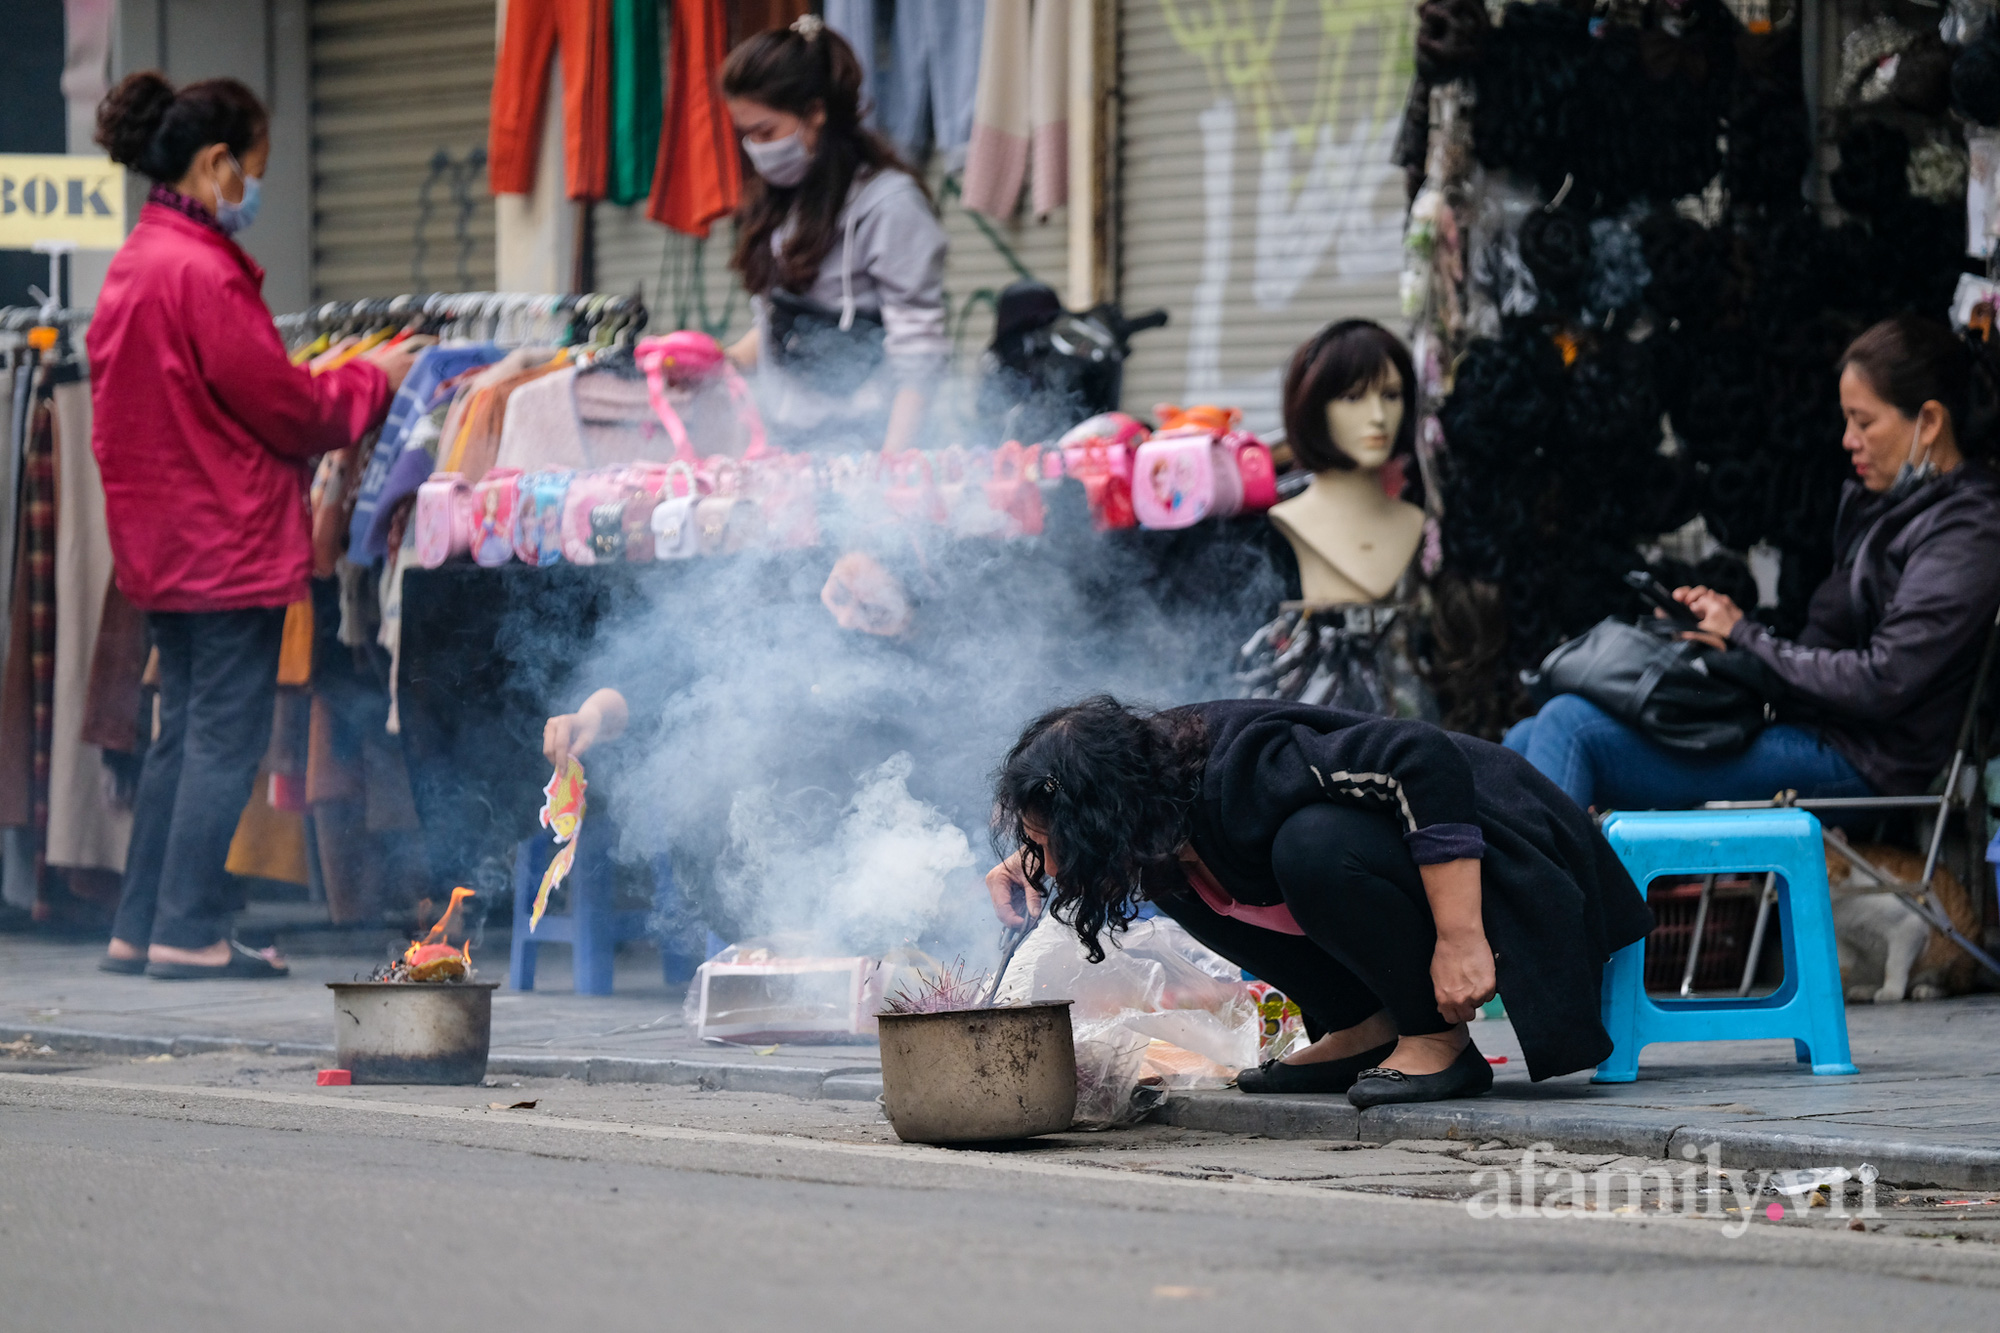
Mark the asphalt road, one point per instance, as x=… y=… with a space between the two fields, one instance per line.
x=214 y=1195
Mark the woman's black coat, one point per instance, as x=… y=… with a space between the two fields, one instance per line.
x=1557 y=902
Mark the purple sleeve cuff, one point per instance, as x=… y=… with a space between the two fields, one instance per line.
x=1446 y=842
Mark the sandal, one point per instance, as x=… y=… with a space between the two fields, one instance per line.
x=244 y=962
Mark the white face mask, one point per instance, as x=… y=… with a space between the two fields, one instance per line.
x=783 y=162
x=1915 y=470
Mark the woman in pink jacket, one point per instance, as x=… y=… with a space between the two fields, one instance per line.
x=204 y=431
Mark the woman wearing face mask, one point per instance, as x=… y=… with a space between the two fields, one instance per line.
x=840 y=249
x=1880 y=676
x=204 y=430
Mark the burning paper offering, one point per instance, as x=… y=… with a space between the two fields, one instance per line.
x=562 y=815
x=433 y=958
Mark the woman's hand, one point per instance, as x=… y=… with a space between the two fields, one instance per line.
x=864 y=596
x=1462 y=963
x=395 y=359
x=745 y=350
x=1462 y=975
x=570 y=735
x=1719 y=615
x=1011 y=892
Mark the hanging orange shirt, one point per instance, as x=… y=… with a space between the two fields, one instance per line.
x=699 y=176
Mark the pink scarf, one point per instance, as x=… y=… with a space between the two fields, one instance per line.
x=1277 y=918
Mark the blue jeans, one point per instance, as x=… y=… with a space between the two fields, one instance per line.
x=1602 y=762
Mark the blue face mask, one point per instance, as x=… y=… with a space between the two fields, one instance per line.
x=233 y=218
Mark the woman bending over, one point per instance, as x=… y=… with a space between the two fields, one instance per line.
x=1384 y=874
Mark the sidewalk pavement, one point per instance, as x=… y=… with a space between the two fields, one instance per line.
x=1925 y=1109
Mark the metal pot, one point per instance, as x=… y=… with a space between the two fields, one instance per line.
x=413 y=1032
x=971 y=1075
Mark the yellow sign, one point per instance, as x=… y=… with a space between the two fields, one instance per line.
x=50 y=197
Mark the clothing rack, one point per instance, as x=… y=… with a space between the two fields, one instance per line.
x=496 y=316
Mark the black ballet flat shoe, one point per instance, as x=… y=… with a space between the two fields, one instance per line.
x=1335 y=1075
x=1467 y=1076
x=124 y=967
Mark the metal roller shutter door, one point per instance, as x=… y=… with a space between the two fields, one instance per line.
x=394 y=84
x=685 y=283
x=1256 y=197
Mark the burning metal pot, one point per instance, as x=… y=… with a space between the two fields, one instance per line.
x=419 y=1019
x=413 y=1032
x=976 y=1075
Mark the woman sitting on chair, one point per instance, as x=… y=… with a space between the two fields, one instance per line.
x=1882 y=673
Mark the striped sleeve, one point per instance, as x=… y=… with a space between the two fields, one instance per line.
x=1411 y=767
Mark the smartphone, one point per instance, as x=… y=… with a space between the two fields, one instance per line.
x=1655 y=594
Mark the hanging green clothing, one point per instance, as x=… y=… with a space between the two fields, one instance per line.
x=637 y=97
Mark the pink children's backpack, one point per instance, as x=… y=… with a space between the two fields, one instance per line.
x=443 y=520
x=1173 y=479
x=588 y=535
x=1254 y=466
x=538 y=517
x=493 y=503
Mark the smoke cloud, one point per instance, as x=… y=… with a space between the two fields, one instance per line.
x=832 y=786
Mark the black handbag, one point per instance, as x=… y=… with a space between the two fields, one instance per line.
x=808 y=343
x=1680 y=693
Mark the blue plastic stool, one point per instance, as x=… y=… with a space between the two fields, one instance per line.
x=592 y=927
x=1808 y=1007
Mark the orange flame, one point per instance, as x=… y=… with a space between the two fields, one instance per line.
x=432 y=957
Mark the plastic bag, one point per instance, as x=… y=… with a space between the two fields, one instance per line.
x=1154 y=965
x=1173 y=1067
x=1161 y=1007
x=1110 y=1061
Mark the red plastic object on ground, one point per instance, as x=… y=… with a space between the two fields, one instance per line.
x=1496 y=1059
x=335 y=1078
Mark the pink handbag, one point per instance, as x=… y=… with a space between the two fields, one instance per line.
x=493 y=502
x=642 y=485
x=1254 y=466
x=691 y=357
x=911 y=490
x=1013 y=489
x=443 y=520
x=726 y=520
x=787 y=493
x=593 y=524
x=1173 y=479
x=1113 y=428
x=1105 y=471
x=538 y=517
x=1228 y=499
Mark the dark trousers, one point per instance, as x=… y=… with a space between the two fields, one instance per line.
x=218 y=682
x=1353 y=888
